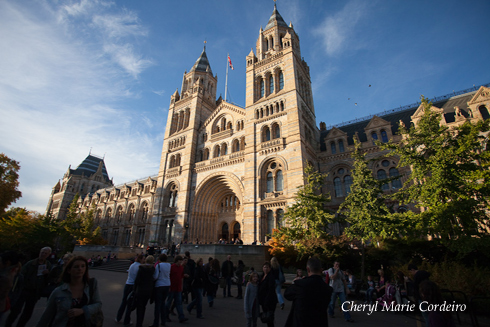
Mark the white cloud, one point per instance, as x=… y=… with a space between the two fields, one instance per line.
x=336 y=31
x=63 y=90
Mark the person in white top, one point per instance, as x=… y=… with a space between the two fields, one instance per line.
x=162 y=287
x=128 y=288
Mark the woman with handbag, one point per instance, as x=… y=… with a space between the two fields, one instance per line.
x=76 y=303
x=267 y=295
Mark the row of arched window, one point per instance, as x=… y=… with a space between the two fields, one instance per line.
x=230 y=202
x=384 y=136
x=270 y=83
x=174 y=160
x=269 y=110
x=180 y=120
x=333 y=146
x=222 y=149
x=131 y=214
x=176 y=143
x=221 y=125
x=270 y=133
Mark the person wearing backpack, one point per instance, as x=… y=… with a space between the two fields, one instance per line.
x=280 y=279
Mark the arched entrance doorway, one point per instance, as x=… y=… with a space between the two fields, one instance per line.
x=217 y=206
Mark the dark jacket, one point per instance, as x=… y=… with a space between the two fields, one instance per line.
x=32 y=282
x=143 y=284
x=310 y=296
x=199 y=276
x=227 y=269
x=267 y=292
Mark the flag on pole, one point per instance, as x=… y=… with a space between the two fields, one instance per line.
x=229 y=62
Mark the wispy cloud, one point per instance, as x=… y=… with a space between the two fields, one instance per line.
x=63 y=89
x=336 y=31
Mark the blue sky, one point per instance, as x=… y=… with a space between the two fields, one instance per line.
x=76 y=75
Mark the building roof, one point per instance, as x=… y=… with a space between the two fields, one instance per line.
x=89 y=166
x=445 y=103
x=275 y=19
x=202 y=63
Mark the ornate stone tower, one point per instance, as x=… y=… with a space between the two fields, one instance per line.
x=281 y=123
x=187 y=112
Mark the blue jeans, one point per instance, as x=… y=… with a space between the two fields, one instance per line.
x=331 y=306
x=278 y=292
x=197 y=302
x=124 y=305
x=177 y=298
x=160 y=297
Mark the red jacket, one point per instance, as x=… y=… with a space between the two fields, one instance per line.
x=176 y=276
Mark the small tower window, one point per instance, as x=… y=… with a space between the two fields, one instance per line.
x=261 y=88
x=281 y=81
x=271 y=85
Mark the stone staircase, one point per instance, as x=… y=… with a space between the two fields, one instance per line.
x=118 y=265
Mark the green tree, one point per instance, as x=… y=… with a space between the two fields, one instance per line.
x=306 y=221
x=449 y=181
x=364 y=209
x=8 y=182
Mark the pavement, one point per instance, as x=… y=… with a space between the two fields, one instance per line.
x=225 y=312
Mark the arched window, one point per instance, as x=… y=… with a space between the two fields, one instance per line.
x=172 y=162
x=173 y=192
x=382 y=176
x=271 y=84
x=279 y=181
x=276 y=131
x=396 y=183
x=206 y=154
x=224 y=231
x=262 y=87
x=333 y=148
x=236 y=230
x=235 y=146
x=270 y=185
x=270 y=221
x=374 y=136
x=281 y=81
x=280 y=218
x=119 y=213
x=267 y=134
x=347 y=183
x=131 y=212
x=384 y=136
x=341 y=146
x=337 y=184
x=144 y=211
x=224 y=149
x=217 y=152
x=484 y=112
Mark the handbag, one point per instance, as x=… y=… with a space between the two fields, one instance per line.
x=267 y=316
x=97 y=318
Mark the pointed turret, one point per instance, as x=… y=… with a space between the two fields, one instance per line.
x=202 y=63
x=275 y=20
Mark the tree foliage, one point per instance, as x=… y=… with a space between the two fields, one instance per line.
x=365 y=208
x=307 y=219
x=449 y=180
x=8 y=182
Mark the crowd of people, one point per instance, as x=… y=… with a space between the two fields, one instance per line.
x=74 y=299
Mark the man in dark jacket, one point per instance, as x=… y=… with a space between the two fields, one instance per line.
x=227 y=273
x=310 y=296
x=35 y=274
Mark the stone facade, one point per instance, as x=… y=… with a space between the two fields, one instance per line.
x=231 y=172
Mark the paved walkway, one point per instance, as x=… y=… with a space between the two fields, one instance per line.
x=226 y=311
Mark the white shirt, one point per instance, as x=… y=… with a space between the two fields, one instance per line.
x=162 y=274
x=132 y=273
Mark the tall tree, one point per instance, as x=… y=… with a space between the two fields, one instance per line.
x=449 y=180
x=307 y=220
x=8 y=182
x=364 y=209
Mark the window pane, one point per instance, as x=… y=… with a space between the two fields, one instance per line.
x=269 y=182
x=341 y=146
x=338 y=187
x=374 y=137
x=333 y=148
x=396 y=184
x=348 y=183
x=271 y=85
x=267 y=134
x=270 y=221
x=281 y=81
x=261 y=88
x=381 y=176
x=384 y=137
x=280 y=217
x=279 y=181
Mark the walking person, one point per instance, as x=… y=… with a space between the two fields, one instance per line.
x=267 y=295
x=310 y=296
x=227 y=272
x=251 y=302
x=197 y=286
x=279 y=277
x=75 y=301
x=128 y=288
x=36 y=277
x=211 y=281
x=162 y=287
x=143 y=287
x=239 y=277
x=175 y=294
x=339 y=285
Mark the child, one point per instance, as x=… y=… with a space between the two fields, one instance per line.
x=370 y=290
x=251 y=303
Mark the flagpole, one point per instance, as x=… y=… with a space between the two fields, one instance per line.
x=226 y=81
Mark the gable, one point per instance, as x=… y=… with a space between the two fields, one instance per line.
x=223 y=109
x=376 y=122
x=483 y=94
